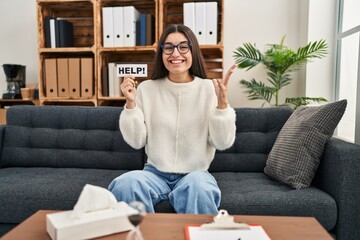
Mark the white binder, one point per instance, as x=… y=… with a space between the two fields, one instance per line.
x=211 y=22
x=108 y=27
x=111 y=79
x=118 y=14
x=131 y=15
x=52 y=33
x=189 y=15
x=200 y=22
x=117 y=82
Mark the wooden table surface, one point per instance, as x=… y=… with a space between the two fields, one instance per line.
x=161 y=226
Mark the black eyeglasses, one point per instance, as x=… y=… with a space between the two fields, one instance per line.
x=168 y=48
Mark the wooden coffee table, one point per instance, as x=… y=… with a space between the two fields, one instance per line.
x=161 y=226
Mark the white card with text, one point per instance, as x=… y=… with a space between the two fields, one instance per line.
x=136 y=70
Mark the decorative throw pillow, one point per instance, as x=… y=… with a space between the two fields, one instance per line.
x=296 y=153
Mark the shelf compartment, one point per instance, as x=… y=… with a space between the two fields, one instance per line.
x=126 y=57
x=69 y=55
x=144 y=6
x=79 y=13
x=129 y=57
x=171 y=12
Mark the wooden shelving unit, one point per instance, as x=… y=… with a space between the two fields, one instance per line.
x=81 y=13
x=86 y=16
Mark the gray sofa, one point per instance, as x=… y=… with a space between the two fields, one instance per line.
x=49 y=153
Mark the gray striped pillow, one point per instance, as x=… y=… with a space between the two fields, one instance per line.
x=296 y=153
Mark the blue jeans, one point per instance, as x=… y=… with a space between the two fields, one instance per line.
x=196 y=192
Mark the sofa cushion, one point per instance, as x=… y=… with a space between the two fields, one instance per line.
x=295 y=156
x=24 y=191
x=67 y=136
x=256 y=194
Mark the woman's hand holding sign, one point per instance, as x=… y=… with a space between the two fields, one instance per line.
x=127 y=87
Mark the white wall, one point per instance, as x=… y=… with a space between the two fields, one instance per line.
x=320 y=74
x=261 y=22
x=301 y=21
x=255 y=21
x=18 y=37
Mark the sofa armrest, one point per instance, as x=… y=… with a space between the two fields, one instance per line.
x=339 y=176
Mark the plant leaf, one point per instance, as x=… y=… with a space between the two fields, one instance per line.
x=279 y=81
x=317 y=49
x=247 y=56
x=258 y=90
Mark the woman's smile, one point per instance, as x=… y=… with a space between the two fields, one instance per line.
x=176 y=61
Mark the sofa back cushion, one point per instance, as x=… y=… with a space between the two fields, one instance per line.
x=67 y=136
x=256 y=132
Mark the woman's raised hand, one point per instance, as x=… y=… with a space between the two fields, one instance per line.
x=127 y=87
x=221 y=88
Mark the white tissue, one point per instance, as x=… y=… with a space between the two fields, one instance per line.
x=93 y=198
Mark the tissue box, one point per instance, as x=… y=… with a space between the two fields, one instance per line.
x=63 y=225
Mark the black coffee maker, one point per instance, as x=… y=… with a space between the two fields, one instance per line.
x=15 y=78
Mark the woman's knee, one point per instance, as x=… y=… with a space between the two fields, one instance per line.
x=201 y=182
x=199 y=179
x=125 y=181
x=197 y=192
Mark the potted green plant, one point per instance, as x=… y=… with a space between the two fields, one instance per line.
x=280 y=61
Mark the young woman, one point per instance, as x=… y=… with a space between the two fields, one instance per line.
x=181 y=118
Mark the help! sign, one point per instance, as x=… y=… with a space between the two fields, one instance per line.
x=136 y=70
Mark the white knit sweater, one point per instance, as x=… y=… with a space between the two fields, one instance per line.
x=179 y=124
